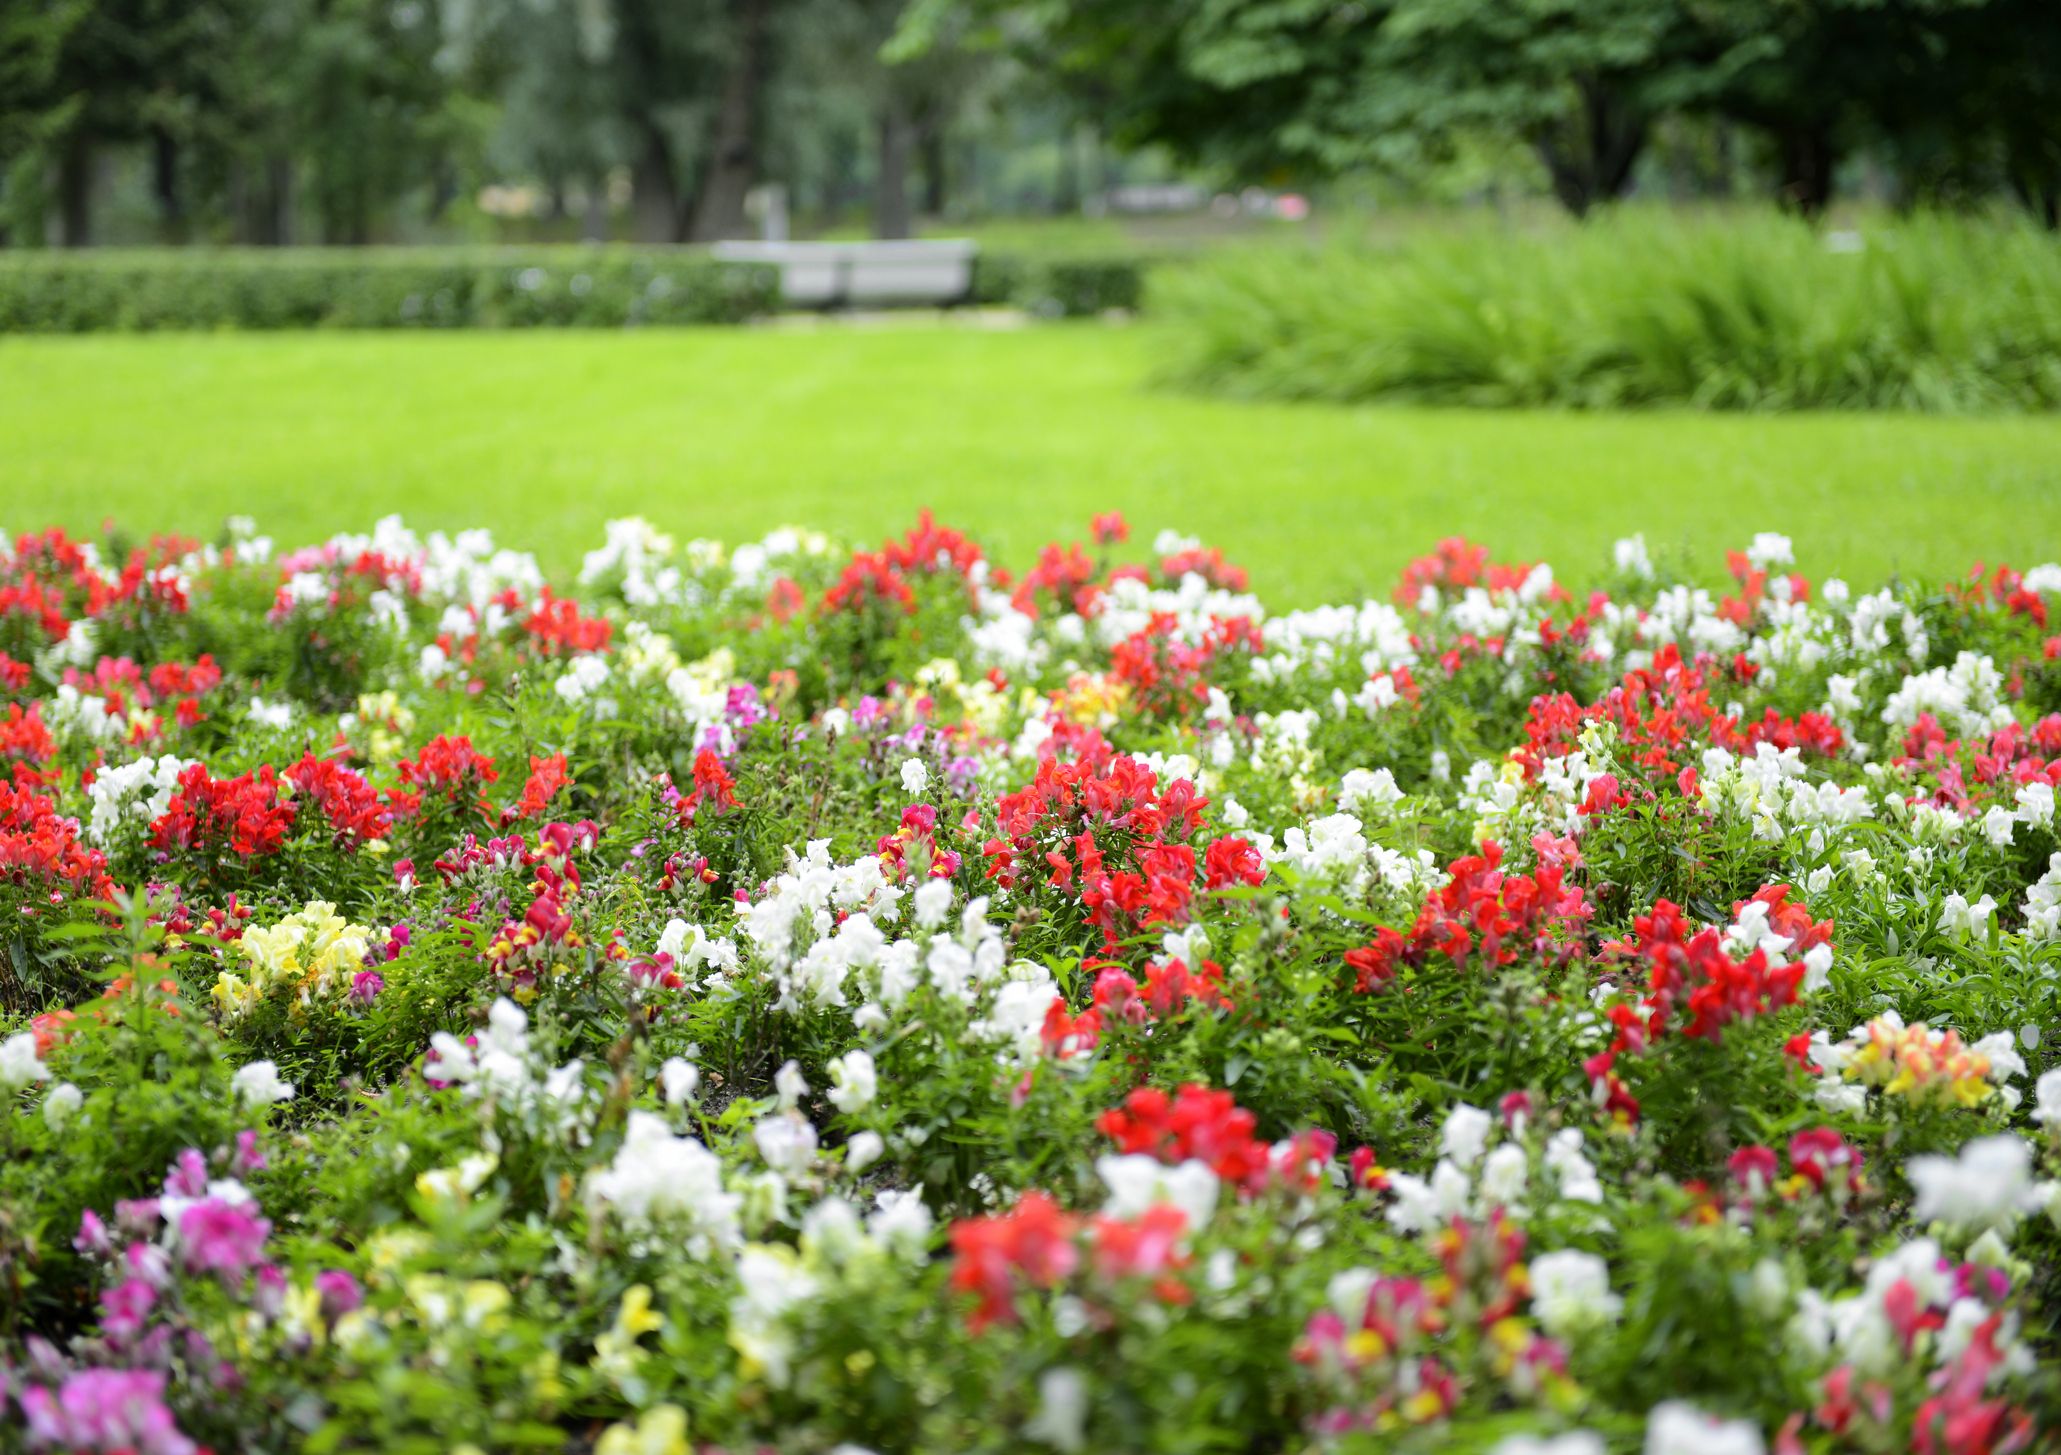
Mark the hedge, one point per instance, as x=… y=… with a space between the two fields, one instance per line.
x=1066 y=287
x=45 y=292
x=564 y=287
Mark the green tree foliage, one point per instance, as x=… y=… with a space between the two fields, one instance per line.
x=1960 y=92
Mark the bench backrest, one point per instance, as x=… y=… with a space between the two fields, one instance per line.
x=821 y=274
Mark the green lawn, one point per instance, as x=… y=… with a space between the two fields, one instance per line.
x=1020 y=436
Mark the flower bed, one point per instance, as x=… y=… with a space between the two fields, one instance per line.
x=803 y=998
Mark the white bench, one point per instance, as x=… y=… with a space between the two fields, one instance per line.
x=839 y=274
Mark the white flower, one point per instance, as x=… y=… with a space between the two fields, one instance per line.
x=1465 y=1135
x=787 y=1081
x=658 y=1178
x=1137 y=1181
x=1989 y=1184
x=1363 y=789
x=1676 y=1428
x=1503 y=1176
x=915 y=776
x=1957 y=916
x=1570 y=1290
x=681 y=1079
x=258 y=1084
x=862 y=1151
x=933 y=901
x=61 y=1104
x=901 y=1223
x=772 y=1281
x=787 y=1142
x=853 y=1082
x=1062 y=1417
x=1631 y=557
x=2047 y=1102
x=19 y=1063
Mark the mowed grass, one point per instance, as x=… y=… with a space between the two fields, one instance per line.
x=1019 y=436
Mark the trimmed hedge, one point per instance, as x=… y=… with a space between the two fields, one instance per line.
x=49 y=292
x=549 y=287
x=1062 y=287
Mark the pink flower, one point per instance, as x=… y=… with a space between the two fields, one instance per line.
x=222 y=1237
x=92 y=1236
x=124 y=1308
x=339 y=1291
x=105 y=1410
x=189 y=1175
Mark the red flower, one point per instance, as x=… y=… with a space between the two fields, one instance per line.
x=1195 y=1123
x=1232 y=860
x=1032 y=1243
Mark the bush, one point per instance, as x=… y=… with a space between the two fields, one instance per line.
x=1064 y=287
x=376 y=288
x=1639 y=308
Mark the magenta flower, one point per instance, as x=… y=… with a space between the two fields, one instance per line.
x=189 y=1175
x=125 y=1307
x=92 y=1236
x=222 y=1237
x=366 y=985
x=105 y=1410
x=149 y=1262
x=340 y=1292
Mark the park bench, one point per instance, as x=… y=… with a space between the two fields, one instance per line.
x=848 y=274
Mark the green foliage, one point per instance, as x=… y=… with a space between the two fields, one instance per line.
x=1060 y=286
x=1750 y=313
x=399 y=288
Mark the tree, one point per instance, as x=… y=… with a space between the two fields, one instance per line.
x=81 y=74
x=1304 y=87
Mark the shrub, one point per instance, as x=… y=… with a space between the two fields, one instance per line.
x=376 y=288
x=1639 y=308
x=1065 y=287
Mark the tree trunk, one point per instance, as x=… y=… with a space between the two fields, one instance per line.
x=1066 y=196
x=443 y=188
x=891 y=217
x=655 y=191
x=164 y=185
x=594 y=216
x=278 y=200
x=1807 y=160
x=75 y=192
x=936 y=182
x=733 y=162
x=1592 y=161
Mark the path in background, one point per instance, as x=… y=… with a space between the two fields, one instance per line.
x=1020 y=436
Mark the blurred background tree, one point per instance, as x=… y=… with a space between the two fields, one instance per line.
x=350 y=121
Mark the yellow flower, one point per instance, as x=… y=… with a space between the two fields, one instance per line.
x=485 y=1302
x=454 y=1183
x=661 y=1430
x=615 y=1351
x=233 y=994
x=635 y=1317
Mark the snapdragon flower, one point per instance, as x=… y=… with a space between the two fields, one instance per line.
x=19 y=1063
x=1679 y=1428
x=854 y=1082
x=258 y=1084
x=660 y=1181
x=1570 y=1292
x=1987 y=1184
